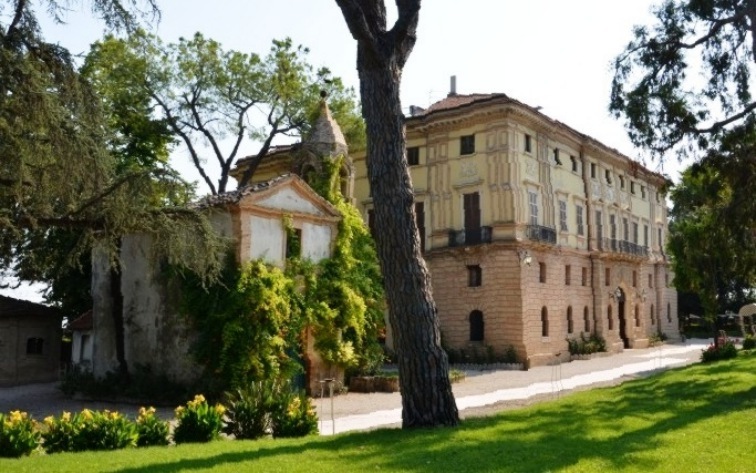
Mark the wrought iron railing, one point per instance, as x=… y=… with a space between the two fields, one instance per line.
x=542 y=234
x=470 y=236
x=624 y=247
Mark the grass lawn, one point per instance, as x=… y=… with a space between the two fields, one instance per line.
x=701 y=418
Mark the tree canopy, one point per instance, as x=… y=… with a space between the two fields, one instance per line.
x=684 y=81
x=57 y=170
x=212 y=99
x=713 y=230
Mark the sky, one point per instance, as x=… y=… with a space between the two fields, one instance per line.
x=554 y=54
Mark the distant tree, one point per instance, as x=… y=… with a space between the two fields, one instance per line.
x=427 y=398
x=211 y=99
x=684 y=81
x=712 y=237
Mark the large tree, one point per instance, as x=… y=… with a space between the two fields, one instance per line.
x=685 y=80
x=427 y=398
x=212 y=99
x=57 y=172
x=713 y=231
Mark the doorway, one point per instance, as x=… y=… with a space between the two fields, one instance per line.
x=622 y=318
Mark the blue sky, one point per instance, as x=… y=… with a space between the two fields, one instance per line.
x=555 y=54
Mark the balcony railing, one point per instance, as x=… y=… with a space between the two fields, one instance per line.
x=470 y=236
x=541 y=234
x=625 y=247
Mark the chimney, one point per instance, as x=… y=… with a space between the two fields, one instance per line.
x=453 y=86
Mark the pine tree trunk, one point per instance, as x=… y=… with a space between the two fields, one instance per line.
x=427 y=398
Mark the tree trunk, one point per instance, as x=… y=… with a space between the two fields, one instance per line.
x=427 y=398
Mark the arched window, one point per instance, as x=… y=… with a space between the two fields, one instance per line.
x=610 y=322
x=637 y=316
x=569 y=319
x=653 y=319
x=477 y=327
x=669 y=313
x=586 y=319
x=344 y=181
x=544 y=322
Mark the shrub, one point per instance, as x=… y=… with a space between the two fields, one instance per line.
x=585 y=346
x=749 y=343
x=722 y=352
x=293 y=415
x=248 y=410
x=198 y=421
x=150 y=429
x=88 y=430
x=18 y=435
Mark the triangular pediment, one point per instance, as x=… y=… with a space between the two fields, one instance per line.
x=291 y=195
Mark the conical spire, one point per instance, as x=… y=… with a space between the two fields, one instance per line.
x=326 y=138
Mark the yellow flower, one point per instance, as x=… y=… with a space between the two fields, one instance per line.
x=179 y=410
x=199 y=398
x=49 y=420
x=66 y=417
x=87 y=414
x=219 y=409
x=17 y=416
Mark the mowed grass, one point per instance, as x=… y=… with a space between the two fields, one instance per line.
x=701 y=418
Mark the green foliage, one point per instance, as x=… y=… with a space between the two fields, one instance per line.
x=140 y=384
x=249 y=409
x=749 y=342
x=18 y=434
x=716 y=353
x=150 y=429
x=88 y=430
x=657 y=339
x=198 y=421
x=293 y=414
x=585 y=346
x=486 y=355
x=670 y=100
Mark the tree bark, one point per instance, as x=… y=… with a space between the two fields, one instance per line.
x=427 y=399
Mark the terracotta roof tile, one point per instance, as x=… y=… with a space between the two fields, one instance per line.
x=82 y=322
x=10 y=307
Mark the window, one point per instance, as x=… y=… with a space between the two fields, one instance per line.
x=621 y=181
x=477 y=327
x=609 y=318
x=635 y=232
x=593 y=170
x=556 y=157
x=635 y=278
x=669 y=313
x=625 y=229
x=666 y=279
x=584 y=276
x=613 y=227
x=608 y=175
x=650 y=281
x=586 y=320
x=645 y=235
x=632 y=187
x=474 y=276
x=579 y=218
x=544 y=322
x=35 y=346
x=413 y=156
x=599 y=226
x=533 y=201
x=471 y=212
x=643 y=192
x=528 y=144
x=420 y=221
x=467 y=144
x=294 y=243
x=542 y=272
x=607 y=276
x=570 y=327
x=567 y=271
x=573 y=160
x=562 y=216
x=653 y=319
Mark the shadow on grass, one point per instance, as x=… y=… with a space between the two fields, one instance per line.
x=610 y=425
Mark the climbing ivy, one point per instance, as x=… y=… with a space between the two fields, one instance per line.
x=250 y=323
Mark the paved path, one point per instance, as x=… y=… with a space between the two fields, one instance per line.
x=359 y=411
